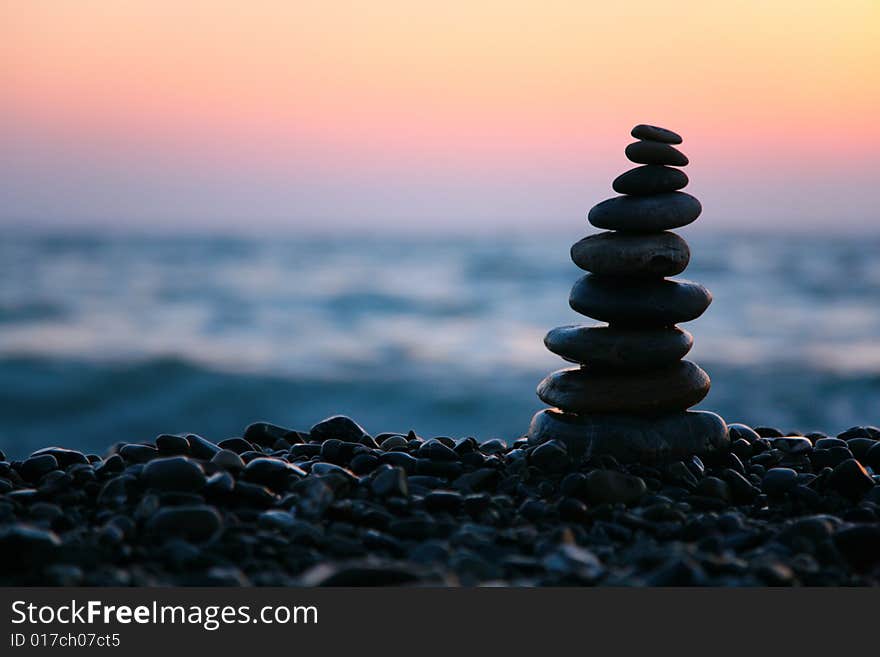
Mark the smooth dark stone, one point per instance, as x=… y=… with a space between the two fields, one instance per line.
x=860 y=545
x=237 y=445
x=304 y=450
x=219 y=483
x=25 y=545
x=830 y=458
x=613 y=487
x=64 y=457
x=338 y=451
x=650 y=179
x=390 y=481
x=402 y=459
x=201 y=448
x=858 y=446
x=828 y=443
x=551 y=456
x=793 y=445
x=742 y=491
x=741 y=431
x=768 y=432
x=639 y=303
x=779 y=481
x=850 y=479
x=619 y=348
x=172 y=444
x=228 y=460
x=339 y=427
x=444 y=500
x=585 y=390
x=632 y=438
x=437 y=451
x=194 y=523
x=872 y=457
x=655 y=152
x=613 y=253
x=855 y=432
x=448 y=469
x=655 y=133
x=34 y=467
x=364 y=463
x=265 y=434
x=646 y=214
x=715 y=488
x=272 y=472
x=175 y=473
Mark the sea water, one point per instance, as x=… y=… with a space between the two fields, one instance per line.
x=119 y=338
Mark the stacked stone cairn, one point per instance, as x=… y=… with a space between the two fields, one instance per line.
x=629 y=395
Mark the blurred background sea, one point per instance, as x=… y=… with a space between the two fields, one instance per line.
x=107 y=338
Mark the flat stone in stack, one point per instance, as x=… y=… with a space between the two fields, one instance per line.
x=630 y=395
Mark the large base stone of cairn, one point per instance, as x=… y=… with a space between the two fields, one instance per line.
x=632 y=438
x=630 y=392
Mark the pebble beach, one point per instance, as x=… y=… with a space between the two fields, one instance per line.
x=336 y=506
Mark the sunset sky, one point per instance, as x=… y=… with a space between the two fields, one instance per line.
x=478 y=115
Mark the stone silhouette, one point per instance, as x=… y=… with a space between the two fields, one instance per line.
x=630 y=392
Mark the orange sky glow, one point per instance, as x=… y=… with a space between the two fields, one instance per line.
x=490 y=109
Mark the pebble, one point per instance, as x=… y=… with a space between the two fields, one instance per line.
x=194 y=523
x=271 y=472
x=653 y=152
x=35 y=467
x=25 y=545
x=228 y=460
x=614 y=487
x=742 y=432
x=655 y=133
x=849 y=478
x=650 y=179
x=266 y=434
x=339 y=427
x=584 y=390
x=172 y=444
x=612 y=253
x=390 y=481
x=639 y=303
x=794 y=445
x=551 y=456
x=646 y=214
x=175 y=473
x=872 y=457
x=238 y=445
x=64 y=457
x=779 y=481
x=437 y=451
x=201 y=448
x=714 y=487
x=860 y=545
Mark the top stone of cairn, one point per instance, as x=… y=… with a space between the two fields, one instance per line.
x=655 y=133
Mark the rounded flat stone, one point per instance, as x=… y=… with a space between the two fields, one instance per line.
x=632 y=438
x=638 y=302
x=646 y=214
x=650 y=179
x=590 y=390
x=614 y=253
x=655 y=133
x=655 y=152
x=619 y=348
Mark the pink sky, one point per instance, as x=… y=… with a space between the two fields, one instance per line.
x=495 y=114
